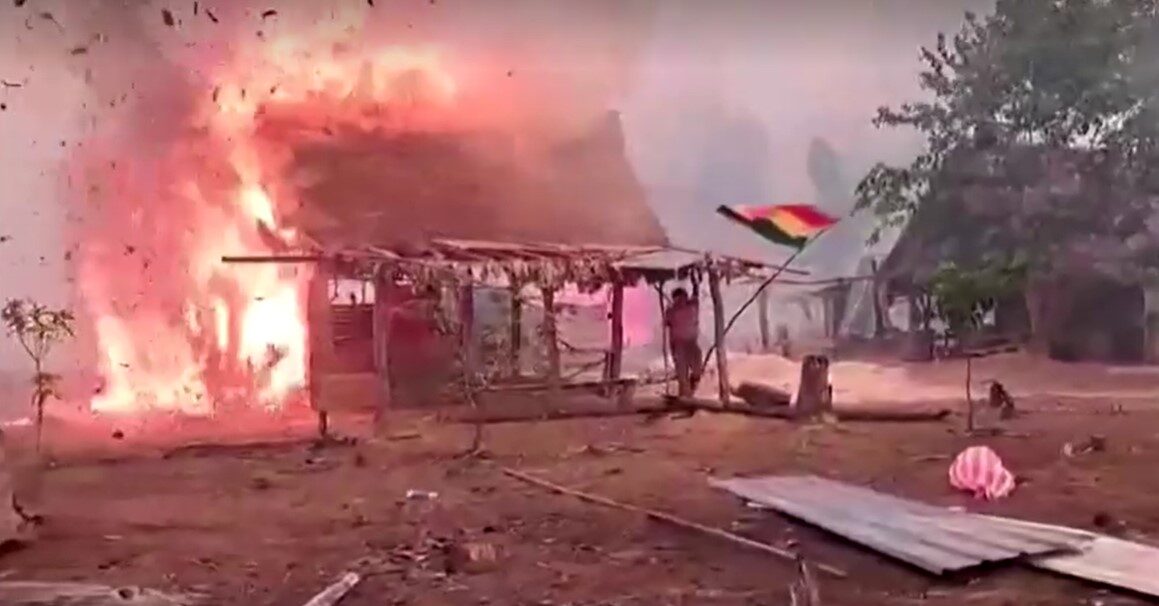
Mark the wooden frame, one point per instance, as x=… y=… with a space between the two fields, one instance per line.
x=548 y=266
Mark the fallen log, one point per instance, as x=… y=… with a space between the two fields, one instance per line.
x=666 y=517
x=563 y=415
x=762 y=396
x=677 y=403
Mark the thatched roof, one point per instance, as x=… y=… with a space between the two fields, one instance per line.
x=388 y=189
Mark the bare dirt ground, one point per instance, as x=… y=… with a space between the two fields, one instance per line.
x=274 y=525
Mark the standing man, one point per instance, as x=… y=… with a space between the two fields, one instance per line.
x=683 y=323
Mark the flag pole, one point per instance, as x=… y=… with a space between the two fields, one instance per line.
x=757 y=293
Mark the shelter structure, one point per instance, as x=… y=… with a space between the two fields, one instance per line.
x=354 y=352
x=427 y=224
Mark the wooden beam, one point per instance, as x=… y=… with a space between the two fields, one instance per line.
x=718 y=334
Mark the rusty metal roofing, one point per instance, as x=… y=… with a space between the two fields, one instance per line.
x=935 y=539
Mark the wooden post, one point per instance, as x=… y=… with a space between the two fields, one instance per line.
x=814 y=394
x=616 y=357
x=664 y=336
x=763 y=318
x=551 y=340
x=381 y=316
x=321 y=340
x=718 y=335
x=516 y=335
x=466 y=311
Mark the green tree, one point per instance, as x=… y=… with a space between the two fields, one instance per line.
x=1011 y=97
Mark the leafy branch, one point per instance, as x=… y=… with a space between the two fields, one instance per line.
x=38 y=328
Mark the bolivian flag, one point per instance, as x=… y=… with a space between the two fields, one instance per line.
x=788 y=224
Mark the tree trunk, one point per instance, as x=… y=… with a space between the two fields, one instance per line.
x=718 y=334
x=814 y=394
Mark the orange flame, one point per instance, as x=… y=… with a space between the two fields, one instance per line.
x=219 y=333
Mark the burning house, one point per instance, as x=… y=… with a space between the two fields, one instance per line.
x=317 y=135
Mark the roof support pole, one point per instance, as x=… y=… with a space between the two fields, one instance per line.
x=319 y=325
x=551 y=342
x=718 y=335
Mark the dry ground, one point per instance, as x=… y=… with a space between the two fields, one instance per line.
x=273 y=525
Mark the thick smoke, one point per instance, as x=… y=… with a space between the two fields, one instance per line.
x=122 y=76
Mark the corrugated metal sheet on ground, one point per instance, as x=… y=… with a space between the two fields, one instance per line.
x=1105 y=559
x=932 y=538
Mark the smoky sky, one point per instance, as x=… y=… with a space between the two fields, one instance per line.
x=721 y=101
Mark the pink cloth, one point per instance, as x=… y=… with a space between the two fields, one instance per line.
x=978 y=470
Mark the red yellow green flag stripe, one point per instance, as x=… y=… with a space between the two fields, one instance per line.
x=788 y=224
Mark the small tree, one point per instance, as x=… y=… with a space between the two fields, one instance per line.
x=38 y=328
x=962 y=298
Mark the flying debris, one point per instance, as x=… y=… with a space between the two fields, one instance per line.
x=212 y=17
x=47 y=16
x=269 y=13
x=19 y=3
x=167 y=17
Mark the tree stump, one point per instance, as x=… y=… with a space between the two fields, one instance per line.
x=814 y=394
